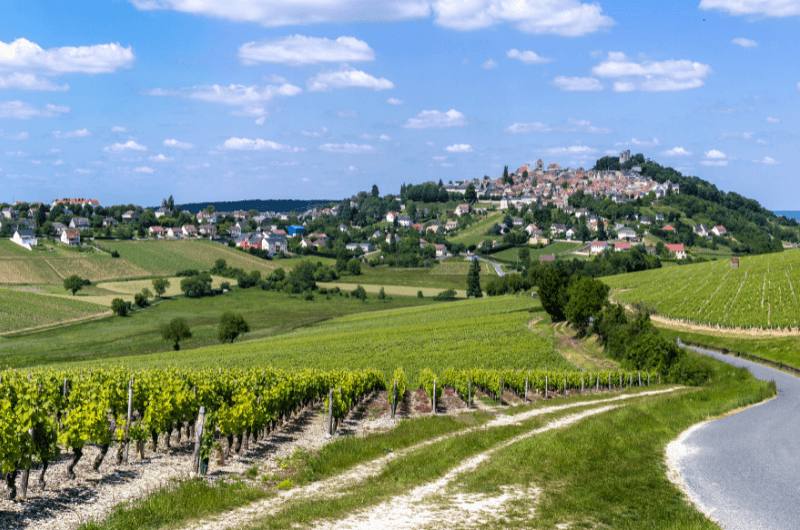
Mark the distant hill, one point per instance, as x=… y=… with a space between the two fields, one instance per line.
x=258 y=204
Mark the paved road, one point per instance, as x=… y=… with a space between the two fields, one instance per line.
x=496 y=266
x=745 y=469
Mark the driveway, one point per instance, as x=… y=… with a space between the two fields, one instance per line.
x=498 y=269
x=744 y=470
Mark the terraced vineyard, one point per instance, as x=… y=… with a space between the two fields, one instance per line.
x=437 y=337
x=761 y=293
x=24 y=310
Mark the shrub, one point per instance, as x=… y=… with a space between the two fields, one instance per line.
x=360 y=293
x=231 y=325
x=419 y=294
x=446 y=295
x=119 y=306
x=225 y=285
x=187 y=272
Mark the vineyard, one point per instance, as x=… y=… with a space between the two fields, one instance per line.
x=24 y=310
x=460 y=268
x=761 y=293
x=486 y=333
x=559 y=247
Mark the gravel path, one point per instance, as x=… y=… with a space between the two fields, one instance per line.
x=742 y=470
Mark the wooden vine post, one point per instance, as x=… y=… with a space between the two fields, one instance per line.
x=394 y=398
x=526 y=389
x=565 y=385
x=434 y=396
x=545 y=387
x=330 y=412
x=640 y=378
x=500 y=393
x=198 y=440
x=582 y=385
x=128 y=424
x=469 y=392
x=598 y=381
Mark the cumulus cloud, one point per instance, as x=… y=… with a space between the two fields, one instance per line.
x=23 y=111
x=235 y=95
x=14 y=136
x=23 y=55
x=118 y=129
x=527 y=57
x=715 y=163
x=459 y=148
x=773 y=120
x=346 y=77
x=447 y=164
x=58 y=162
x=572 y=126
x=382 y=137
x=82 y=171
x=23 y=81
x=768 y=161
x=245 y=144
x=297 y=50
x=745 y=43
x=569 y=18
x=745 y=135
x=160 y=158
x=676 y=151
x=577 y=84
x=715 y=158
x=578 y=151
x=651 y=76
x=715 y=154
x=645 y=143
x=767 y=8
x=350 y=149
x=491 y=63
x=434 y=119
x=175 y=143
x=394 y=101
x=143 y=169
x=80 y=133
x=314 y=133
x=130 y=145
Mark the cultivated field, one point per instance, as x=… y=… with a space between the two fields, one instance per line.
x=761 y=293
x=25 y=310
x=456 y=268
x=510 y=255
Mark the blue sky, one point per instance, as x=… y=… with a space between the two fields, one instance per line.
x=131 y=101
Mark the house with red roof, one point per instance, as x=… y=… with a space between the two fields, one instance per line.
x=678 y=250
x=719 y=231
x=669 y=228
x=598 y=247
x=622 y=246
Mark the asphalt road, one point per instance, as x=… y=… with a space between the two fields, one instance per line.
x=496 y=266
x=745 y=469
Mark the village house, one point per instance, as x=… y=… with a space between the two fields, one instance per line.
x=669 y=228
x=441 y=251
x=391 y=216
x=71 y=237
x=622 y=246
x=81 y=223
x=110 y=222
x=626 y=233
x=404 y=221
x=189 y=231
x=208 y=230
x=234 y=231
x=450 y=225
x=598 y=247
x=130 y=216
x=366 y=247
x=274 y=244
x=156 y=231
x=719 y=231
x=25 y=238
x=701 y=230
x=59 y=227
x=538 y=239
x=161 y=212
x=462 y=209
x=174 y=233
x=678 y=250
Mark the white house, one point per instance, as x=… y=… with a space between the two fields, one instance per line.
x=678 y=250
x=461 y=209
x=441 y=251
x=189 y=231
x=404 y=221
x=25 y=238
x=719 y=231
x=598 y=247
x=391 y=216
x=71 y=237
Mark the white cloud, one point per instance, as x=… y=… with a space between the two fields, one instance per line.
x=314 y=133
x=297 y=50
x=773 y=120
x=118 y=129
x=54 y=150
x=579 y=151
x=382 y=137
x=143 y=169
x=768 y=161
x=577 y=84
x=745 y=43
x=447 y=164
x=715 y=154
x=23 y=81
x=346 y=77
x=527 y=57
x=82 y=171
x=767 y=8
x=175 y=143
x=716 y=163
x=429 y=144
x=394 y=101
x=652 y=76
x=572 y=126
x=246 y=96
x=245 y=144
x=350 y=149
x=645 y=143
x=80 y=133
x=676 y=151
x=14 y=136
x=286 y=163
x=58 y=162
x=347 y=114
x=23 y=55
x=569 y=18
x=439 y=158
x=798 y=86
x=491 y=63
x=16 y=153
x=130 y=145
x=761 y=142
x=161 y=158
x=23 y=111
x=199 y=166
x=459 y=148
x=434 y=119
x=745 y=135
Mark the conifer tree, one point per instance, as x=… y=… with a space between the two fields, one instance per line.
x=474 y=280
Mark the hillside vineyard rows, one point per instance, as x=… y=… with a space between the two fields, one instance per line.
x=436 y=337
x=761 y=293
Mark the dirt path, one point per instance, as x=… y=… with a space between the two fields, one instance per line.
x=333 y=486
x=573 y=349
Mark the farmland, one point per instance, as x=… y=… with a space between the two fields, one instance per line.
x=446 y=275
x=761 y=293
x=439 y=336
x=510 y=255
x=24 y=310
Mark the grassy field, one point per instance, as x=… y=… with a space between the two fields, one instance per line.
x=391 y=290
x=21 y=309
x=762 y=292
x=460 y=268
x=268 y=314
x=449 y=277
x=436 y=337
x=509 y=255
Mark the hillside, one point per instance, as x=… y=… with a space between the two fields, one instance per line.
x=761 y=292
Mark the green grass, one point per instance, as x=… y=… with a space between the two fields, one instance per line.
x=25 y=310
x=509 y=255
x=421 y=277
x=176 y=503
x=268 y=314
x=482 y=333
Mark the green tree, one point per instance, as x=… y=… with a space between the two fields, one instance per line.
x=354 y=266
x=382 y=294
x=553 y=284
x=74 y=283
x=420 y=295
x=196 y=286
x=119 y=306
x=470 y=195
x=231 y=325
x=375 y=193
x=176 y=331
x=160 y=286
x=601 y=231
x=360 y=293
x=474 y=280
x=586 y=298
x=506 y=177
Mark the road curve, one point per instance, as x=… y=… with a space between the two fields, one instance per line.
x=744 y=470
x=498 y=269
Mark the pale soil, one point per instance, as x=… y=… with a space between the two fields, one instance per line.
x=676 y=450
x=334 y=486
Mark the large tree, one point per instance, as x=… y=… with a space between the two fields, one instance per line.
x=474 y=280
x=553 y=284
x=160 y=286
x=74 y=283
x=231 y=325
x=176 y=331
x=470 y=195
x=587 y=297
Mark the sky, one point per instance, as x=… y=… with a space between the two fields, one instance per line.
x=130 y=101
